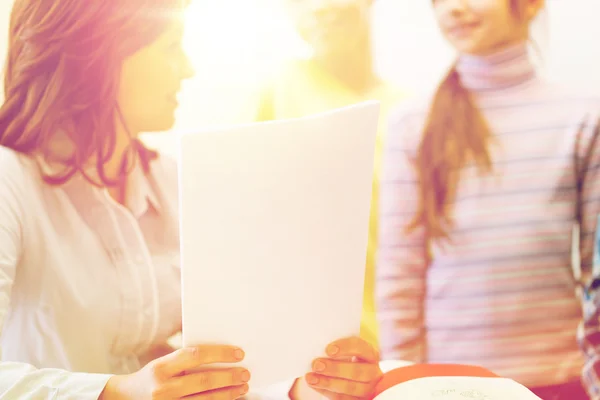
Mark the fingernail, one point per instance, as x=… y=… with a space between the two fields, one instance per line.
x=319 y=366
x=332 y=350
x=245 y=376
x=238 y=354
x=312 y=379
x=244 y=389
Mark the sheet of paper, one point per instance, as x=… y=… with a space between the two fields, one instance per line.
x=458 y=388
x=274 y=230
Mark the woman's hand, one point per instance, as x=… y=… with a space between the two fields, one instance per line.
x=350 y=371
x=185 y=373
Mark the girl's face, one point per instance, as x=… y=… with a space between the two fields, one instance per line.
x=480 y=27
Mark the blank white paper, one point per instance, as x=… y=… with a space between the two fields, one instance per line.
x=274 y=230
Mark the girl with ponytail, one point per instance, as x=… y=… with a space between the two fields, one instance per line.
x=480 y=191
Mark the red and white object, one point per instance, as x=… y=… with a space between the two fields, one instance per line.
x=448 y=382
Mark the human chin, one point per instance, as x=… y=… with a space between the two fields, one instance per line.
x=168 y=122
x=162 y=121
x=167 y=116
x=470 y=45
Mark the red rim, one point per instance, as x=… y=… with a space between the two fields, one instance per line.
x=404 y=374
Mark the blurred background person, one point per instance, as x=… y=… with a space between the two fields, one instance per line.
x=481 y=188
x=339 y=73
x=340 y=70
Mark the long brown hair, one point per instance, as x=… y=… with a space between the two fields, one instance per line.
x=62 y=75
x=455 y=133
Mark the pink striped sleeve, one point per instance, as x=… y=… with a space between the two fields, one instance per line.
x=401 y=263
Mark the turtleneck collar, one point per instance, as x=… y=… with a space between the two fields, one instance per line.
x=504 y=69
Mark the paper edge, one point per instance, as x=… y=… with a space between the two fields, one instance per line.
x=222 y=128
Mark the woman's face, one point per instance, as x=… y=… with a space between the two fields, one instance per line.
x=480 y=27
x=331 y=26
x=150 y=81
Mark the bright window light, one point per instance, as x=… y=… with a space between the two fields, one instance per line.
x=238 y=40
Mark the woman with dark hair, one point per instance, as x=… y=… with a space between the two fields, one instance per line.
x=481 y=189
x=89 y=247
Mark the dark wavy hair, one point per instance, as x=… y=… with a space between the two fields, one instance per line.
x=62 y=75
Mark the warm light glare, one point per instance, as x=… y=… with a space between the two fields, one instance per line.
x=240 y=40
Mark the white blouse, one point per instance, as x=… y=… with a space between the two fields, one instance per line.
x=86 y=284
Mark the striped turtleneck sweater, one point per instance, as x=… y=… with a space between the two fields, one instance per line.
x=502 y=294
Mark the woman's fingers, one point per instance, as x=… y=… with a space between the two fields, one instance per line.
x=339 y=386
x=221 y=394
x=204 y=381
x=353 y=347
x=190 y=358
x=353 y=371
